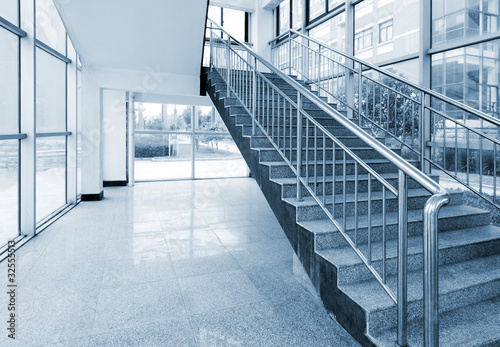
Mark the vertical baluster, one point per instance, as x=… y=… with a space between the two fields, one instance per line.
x=444 y=143
x=456 y=148
x=373 y=103
x=254 y=94
x=286 y=128
x=291 y=133
x=480 y=163
x=344 y=192
x=412 y=124
x=402 y=304
x=384 y=238
x=268 y=101
x=494 y=172
x=387 y=111
x=279 y=121
x=396 y=117
x=360 y=93
x=356 y=203
x=324 y=170
x=334 y=175
x=299 y=146
x=403 y=129
x=369 y=219
x=307 y=151
x=468 y=162
x=315 y=161
x=272 y=110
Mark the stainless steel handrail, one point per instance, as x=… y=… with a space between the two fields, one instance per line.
x=424 y=180
x=439 y=198
x=430 y=92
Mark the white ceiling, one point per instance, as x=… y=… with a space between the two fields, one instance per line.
x=142 y=35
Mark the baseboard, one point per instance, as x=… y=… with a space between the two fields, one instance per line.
x=114 y=183
x=93 y=197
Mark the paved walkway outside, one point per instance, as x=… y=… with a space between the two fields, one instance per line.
x=191 y=263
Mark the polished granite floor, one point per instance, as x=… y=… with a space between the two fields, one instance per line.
x=189 y=263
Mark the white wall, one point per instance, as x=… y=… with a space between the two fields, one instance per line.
x=114 y=114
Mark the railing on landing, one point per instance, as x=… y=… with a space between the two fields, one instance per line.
x=447 y=137
x=274 y=113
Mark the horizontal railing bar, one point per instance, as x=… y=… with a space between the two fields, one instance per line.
x=351 y=243
x=463 y=183
x=392 y=90
x=398 y=161
x=351 y=153
x=325 y=56
x=392 y=135
x=462 y=124
x=13 y=137
x=408 y=82
x=52 y=51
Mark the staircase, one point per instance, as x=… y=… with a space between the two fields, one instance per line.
x=469 y=247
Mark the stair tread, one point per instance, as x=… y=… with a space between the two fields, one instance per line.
x=469 y=326
x=344 y=256
x=339 y=178
x=311 y=162
x=326 y=225
x=362 y=196
x=452 y=277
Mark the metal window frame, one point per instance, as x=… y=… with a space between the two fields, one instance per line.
x=4 y=23
x=52 y=51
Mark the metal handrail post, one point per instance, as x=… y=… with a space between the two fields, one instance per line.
x=228 y=64
x=299 y=146
x=211 y=47
x=402 y=304
x=431 y=280
x=319 y=69
x=360 y=93
x=254 y=95
x=289 y=53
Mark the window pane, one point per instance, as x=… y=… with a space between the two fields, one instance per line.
x=331 y=32
x=9 y=190
x=457 y=19
x=470 y=75
x=284 y=17
x=9 y=83
x=214 y=13
x=8 y=10
x=297 y=14
x=218 y=156
x=162 y=157
x=50 y=175
x=316 y=8
x=407 y=69
x=395 y=29
x=234 y=23
x=49 y=27
x=208 y=119
x=334 y=3
x=158 y=117
x=50 y=93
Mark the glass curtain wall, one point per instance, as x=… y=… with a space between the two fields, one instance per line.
x=9 y=126
x=183 y=142
x=53 y=65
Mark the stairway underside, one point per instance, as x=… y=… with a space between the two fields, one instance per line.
x=469 y=247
